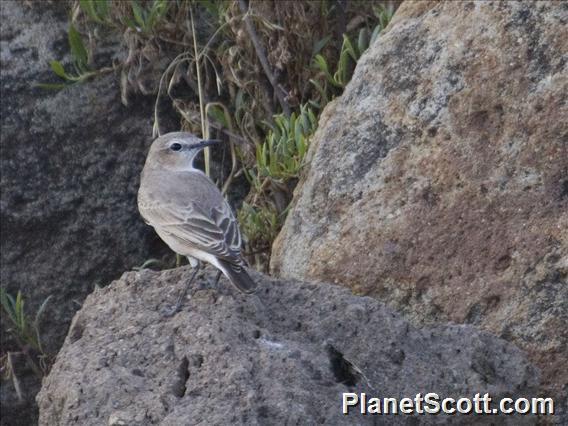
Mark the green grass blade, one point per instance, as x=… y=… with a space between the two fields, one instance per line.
x=88 y=7
x=58 y=69
x=139 y=15
x=9 y=305
x=362 y=41
x=375 y=34
x=19 y=310
x=77 y=47
x=41 y=309
x=102 y=8
x=318 y=46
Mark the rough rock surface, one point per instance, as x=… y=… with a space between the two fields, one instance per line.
x=438 y=182
x=277 y=358
x=70 y=163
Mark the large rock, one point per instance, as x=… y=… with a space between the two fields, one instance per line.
x=282 y=357
x=70 y=164
x=438 y=182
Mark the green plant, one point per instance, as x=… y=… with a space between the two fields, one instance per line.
x=279 y=160
x=341 y=76
x=384 y=15
x=96 y=10
x=331 y=83
x=281 y=156
x=146 y=18
x=143 y=18
x=26 y=333
x=80 y=70
x=260 y=226
x=258 y=72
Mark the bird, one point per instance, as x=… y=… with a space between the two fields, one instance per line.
x=188 y=212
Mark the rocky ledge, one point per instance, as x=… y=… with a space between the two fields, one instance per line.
x=283 y=356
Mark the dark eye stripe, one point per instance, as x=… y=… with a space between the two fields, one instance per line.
x=175 y=146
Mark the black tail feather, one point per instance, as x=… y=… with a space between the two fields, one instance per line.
x=238 y=277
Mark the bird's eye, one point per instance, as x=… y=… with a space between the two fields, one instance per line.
x=175 y=146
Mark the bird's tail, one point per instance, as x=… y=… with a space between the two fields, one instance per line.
x=238 y=277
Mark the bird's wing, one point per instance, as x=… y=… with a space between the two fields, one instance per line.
x=204 y=224
x=215 y=231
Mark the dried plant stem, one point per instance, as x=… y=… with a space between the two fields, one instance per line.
x=260 y=192
x=204 y=129
x=15 y=379
x=234 y=137
x=261 y=54
x=25 y=350
x=177 y=60
x=231 y=144
x=216 y=33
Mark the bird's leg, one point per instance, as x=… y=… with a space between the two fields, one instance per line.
x=216 y=280
x=182 y=295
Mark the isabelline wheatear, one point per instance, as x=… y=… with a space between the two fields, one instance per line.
x=187 y=210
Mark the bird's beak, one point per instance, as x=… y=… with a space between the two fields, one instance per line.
x=205 y=143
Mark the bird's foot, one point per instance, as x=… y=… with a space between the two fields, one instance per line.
x=170 y=311
x=214 y=283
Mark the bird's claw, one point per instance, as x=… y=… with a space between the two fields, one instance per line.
x=169 y=311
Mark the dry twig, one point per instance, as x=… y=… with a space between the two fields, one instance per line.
x=261 y=54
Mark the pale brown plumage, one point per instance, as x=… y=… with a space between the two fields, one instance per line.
x=191 y=214
x=188 y=211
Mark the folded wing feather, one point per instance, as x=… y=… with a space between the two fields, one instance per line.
x=207 y=224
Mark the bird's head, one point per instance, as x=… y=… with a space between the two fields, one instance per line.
x=176 y=151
